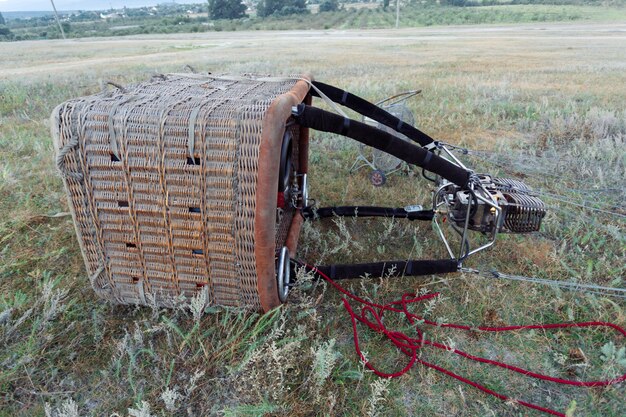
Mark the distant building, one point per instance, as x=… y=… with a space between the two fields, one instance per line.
x=111 y=16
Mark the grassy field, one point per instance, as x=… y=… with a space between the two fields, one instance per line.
x=544 y=101
x=373 y=17
x=351 y=16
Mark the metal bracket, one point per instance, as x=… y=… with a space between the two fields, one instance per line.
x=283 y=274
x=443 y=210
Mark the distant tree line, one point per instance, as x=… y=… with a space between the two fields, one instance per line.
x=231 y=15
x=281 y=7
x=226 y=9
x=329 y=6
x=236 y=9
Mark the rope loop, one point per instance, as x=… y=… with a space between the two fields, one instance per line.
x=61 y=162
x=116 y=85
x=371 y=315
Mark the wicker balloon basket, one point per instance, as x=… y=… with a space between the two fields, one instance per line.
x=186 y=185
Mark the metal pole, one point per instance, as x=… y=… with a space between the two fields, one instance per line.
x=56 y=16
x=397 y=13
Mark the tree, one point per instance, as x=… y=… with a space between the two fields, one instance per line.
x=457 y=3
x=329 y=6
x=281 y=7
x=226 y=9
x=5 y=32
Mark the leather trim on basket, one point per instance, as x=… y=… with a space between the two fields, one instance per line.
x=267 y=192
x=298 y=219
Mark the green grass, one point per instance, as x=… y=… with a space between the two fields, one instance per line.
x=524 y=98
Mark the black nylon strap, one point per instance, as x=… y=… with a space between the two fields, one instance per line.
x=326 y=121
x=390 y=269
x=427 y=159
x=346 y=126
x=367 y=211
x=372 y=111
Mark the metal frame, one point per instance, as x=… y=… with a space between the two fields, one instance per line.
x=305 y=191
x=361 y=160
x=441 y=205
x=283 y=274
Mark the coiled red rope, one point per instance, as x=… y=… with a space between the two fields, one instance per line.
x=410 y=345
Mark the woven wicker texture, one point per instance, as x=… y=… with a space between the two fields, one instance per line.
x=162 y=183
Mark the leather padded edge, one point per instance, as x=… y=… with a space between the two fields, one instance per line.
x=298 y=219
x=267 y=192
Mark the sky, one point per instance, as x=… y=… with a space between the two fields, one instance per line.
x=42 y=5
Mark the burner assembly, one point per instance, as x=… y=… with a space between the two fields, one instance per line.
x=490 y=206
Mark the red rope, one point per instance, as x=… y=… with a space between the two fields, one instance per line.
x=410 y=345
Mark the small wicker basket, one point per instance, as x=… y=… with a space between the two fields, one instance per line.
x=172 y=184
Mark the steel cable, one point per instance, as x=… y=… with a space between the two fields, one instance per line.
x=567 y=285
x=582 y=203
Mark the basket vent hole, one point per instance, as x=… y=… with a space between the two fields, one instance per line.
x=114 y=158
x=194 y=209
x=197 y=251
x=130 y=245
x=122 y=203
x=135 y=279
x=193 y=161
